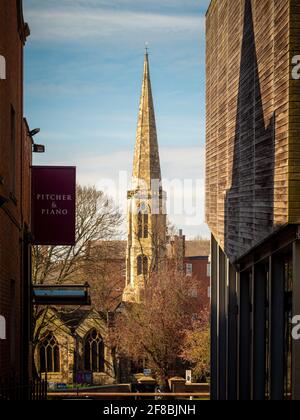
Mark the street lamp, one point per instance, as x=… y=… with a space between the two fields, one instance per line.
x=34 y=132
x=37 y=148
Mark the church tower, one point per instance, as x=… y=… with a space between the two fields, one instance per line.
x=146 y=214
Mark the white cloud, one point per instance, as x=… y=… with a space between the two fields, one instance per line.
x=183 y=180
x=174 y=5
x=118 y=3
x=176 y=163
x=80 y=24
x=183 y=163
x=183 y=170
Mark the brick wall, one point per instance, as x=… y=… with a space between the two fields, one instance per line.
x=196 y=269
x=15 y=158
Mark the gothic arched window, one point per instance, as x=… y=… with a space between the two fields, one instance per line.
x=139 y=265
x=143 y=223
x=49 y=355
x=142 y=265
x=145 y=266
x=94 y=352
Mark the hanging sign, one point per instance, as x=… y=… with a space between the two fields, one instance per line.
x=53 y=205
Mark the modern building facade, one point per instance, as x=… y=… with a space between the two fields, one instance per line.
x=252 y=197
x=146 y=215
x=15 y=161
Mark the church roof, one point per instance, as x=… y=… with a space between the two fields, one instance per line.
x=146 y=166
x=74 y=318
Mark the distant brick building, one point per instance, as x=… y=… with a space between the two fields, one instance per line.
x=197 y=267
x=15 y=161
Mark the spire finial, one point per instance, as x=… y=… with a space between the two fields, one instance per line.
x=146 y=47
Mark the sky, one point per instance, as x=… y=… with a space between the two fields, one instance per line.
x=83 y=74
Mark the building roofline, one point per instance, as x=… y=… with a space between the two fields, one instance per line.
x=24 y=30
x=197 y=258
x=209 y=7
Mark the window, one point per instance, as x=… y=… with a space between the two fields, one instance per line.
x=145 y=266
x=2 y=328
x=193 y=293
x=2 y=68
x=189 y=270
x=94 y=352
x=13 y=150
x=142 y=265
x=208 y=270
x=49 y=355
x=143 y=223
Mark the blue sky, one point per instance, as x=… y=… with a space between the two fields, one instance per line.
x=83 y=70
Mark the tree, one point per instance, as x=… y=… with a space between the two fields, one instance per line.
x=106 y=274
x=154 y=330
x=97 y=221
x=196 y=347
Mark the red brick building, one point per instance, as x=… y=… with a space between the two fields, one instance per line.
x=15 y=161
x=197 y=268
x=192 y=258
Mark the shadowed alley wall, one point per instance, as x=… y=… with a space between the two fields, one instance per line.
x=247 y=121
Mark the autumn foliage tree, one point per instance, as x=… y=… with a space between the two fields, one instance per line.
x=196 y=346
x=155 y=329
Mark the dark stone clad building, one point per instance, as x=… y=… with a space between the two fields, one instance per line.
x=253 y=197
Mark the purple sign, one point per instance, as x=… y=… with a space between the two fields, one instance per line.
x=53 y=205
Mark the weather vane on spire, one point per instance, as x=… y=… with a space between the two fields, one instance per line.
x=147 y=47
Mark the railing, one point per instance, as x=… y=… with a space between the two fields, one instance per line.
x=135 y=395
x=12 y=390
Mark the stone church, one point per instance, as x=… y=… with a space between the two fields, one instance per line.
x=147 y=226
x=75 y=346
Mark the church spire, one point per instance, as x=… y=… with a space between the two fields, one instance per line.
x=146 y=245
x=146 y=165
